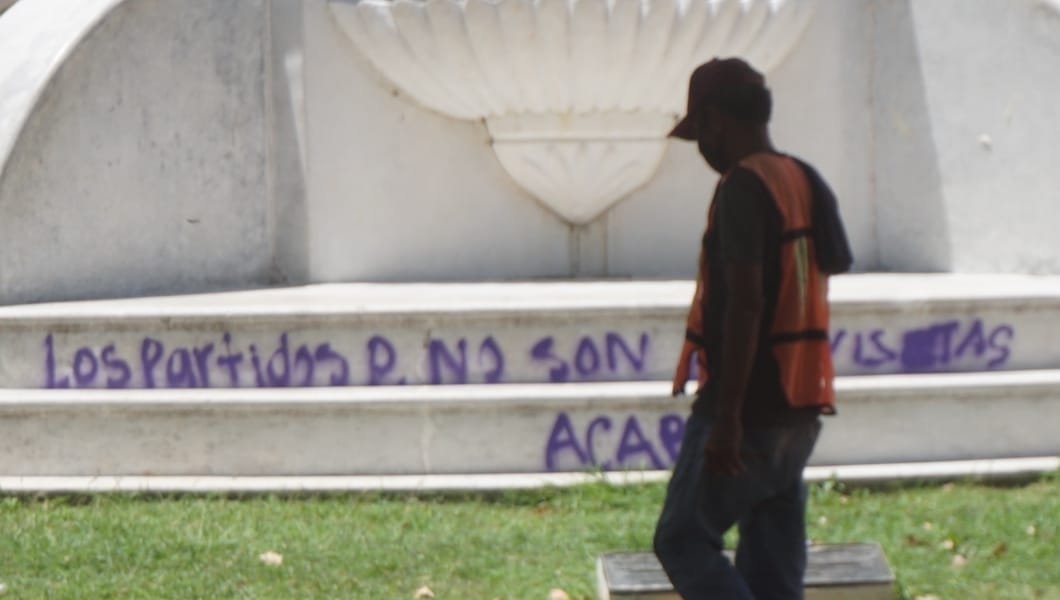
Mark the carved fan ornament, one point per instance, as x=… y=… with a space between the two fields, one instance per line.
x=577 y=95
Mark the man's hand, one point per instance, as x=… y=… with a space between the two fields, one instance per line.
x=681 y=373
x=723 y=447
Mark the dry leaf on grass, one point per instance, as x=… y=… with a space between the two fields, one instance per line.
x=558 y=594
x=999 y=550
x=273 y=559
x=912 y=540
x=423 y=593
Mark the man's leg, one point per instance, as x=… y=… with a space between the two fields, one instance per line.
x=771 y=554
x=699 y=508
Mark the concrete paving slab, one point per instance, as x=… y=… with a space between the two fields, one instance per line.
x=833 y=571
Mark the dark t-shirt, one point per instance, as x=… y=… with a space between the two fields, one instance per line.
x=747 y=228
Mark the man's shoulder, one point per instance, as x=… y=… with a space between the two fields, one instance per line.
x=762 y=171
x=743 y=180
x=752 y=162
x=745 y=189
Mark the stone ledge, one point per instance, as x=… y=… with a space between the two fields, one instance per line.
x=995 y=469
x=848 y=388
x=502 y=332
x=873 y=289
x=502 y=428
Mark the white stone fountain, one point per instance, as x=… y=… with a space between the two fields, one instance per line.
x=391 y=152
x=577 y=95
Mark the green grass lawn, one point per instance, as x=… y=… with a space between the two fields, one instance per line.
x=514 y=545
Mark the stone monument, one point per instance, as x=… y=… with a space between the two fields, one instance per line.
x=151 y=147
x=376 y=221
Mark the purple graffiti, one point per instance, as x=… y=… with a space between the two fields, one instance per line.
x=150 y=355
x=542 y=351
x=382 y=360
x=180 y=370
x=202 y=363
x=120 y=373
x=442 y=359
x=83 y=374
x=938 y=346
x=586 y=358
x=671 y=431
x=588 y=361
x=603 y=423
x=339 y=373
x=562 y=440
x=490 y=353
x=304 y=364
x=446 y=365
x=191 y=367
x=278 y=367
x=633 y=443
x=615 y=343
x=286 y=363
x=230 y=360
x=928 y=348
x=628 y=446
x=50 y=380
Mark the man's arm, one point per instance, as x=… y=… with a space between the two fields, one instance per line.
x=743 y=314
x=692 y=348
x=741 y=229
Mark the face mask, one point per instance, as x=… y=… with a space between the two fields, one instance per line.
x=712 y=155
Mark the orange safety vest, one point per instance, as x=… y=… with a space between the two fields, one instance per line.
x=799 y=335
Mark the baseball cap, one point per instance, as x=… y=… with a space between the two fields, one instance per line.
x=706 y=81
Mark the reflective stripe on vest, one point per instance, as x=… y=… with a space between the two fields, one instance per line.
x=799 y=335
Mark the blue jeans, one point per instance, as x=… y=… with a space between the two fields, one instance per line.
x=767 y=501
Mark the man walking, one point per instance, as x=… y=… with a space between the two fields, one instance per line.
x=758 y=328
